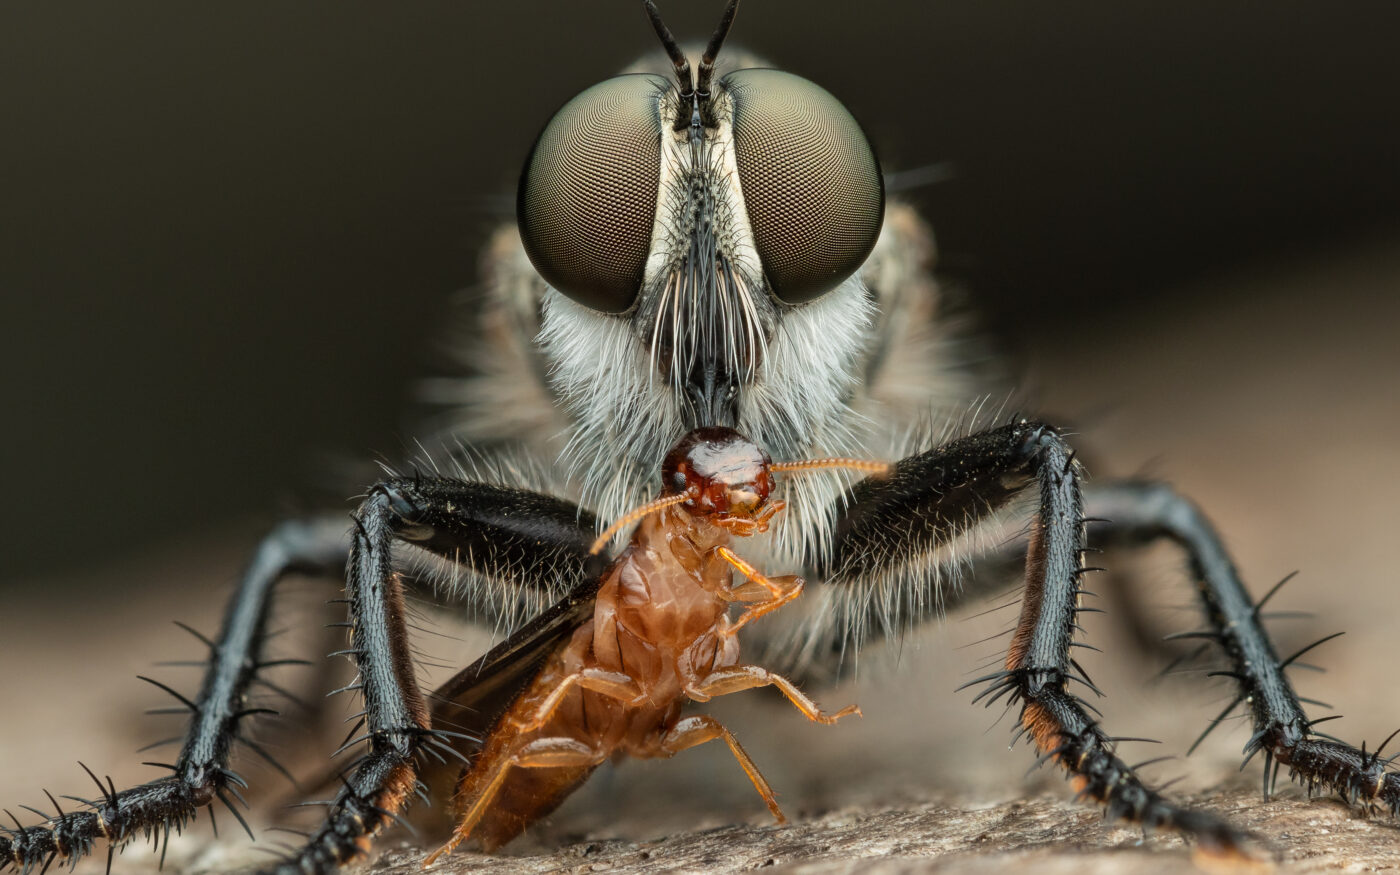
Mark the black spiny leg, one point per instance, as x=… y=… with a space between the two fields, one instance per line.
x=535 y=540
x=516 y=539
x=891 y=522
x=1136 y=512
x=201 y=774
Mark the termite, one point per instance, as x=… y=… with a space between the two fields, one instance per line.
x=650 y=633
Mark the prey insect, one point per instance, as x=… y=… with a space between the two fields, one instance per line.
x=697 y=252
x=649 y=633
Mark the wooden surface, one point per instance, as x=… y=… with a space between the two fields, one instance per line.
x=1043 y=835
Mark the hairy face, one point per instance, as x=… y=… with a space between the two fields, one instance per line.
x=710 y=338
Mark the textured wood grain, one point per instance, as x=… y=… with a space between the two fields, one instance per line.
x=1043 y=835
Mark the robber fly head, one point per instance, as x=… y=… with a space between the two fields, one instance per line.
x=700 y=238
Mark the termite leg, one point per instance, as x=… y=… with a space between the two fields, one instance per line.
x=613 y=684
x=780 y=589
x=734 y=678
x=756 y=525
x=701 y=728
x=541 y=753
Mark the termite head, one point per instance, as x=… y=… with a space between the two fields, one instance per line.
x=721 y=473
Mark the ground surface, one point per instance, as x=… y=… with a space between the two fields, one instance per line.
x=1043 y=835
x=1276 y=412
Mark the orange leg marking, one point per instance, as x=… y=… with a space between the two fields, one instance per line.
x=701 y=728
x=542 y=753
x=781 y=590
x=724 y=681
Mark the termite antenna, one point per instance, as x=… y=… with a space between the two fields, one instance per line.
x=806 y=465
x=631 y=517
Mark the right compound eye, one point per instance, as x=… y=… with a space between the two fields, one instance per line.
x=587 y=199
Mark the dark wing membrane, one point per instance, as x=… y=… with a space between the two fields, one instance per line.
x=471 y=704
x=476 y=697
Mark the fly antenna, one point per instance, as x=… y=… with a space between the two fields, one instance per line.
x=707 y=61
x=696 y=94
x=632 y=516
x=673 y=49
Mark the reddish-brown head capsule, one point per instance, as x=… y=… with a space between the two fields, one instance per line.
x=720 y=470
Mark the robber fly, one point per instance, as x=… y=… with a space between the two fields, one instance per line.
x=703 y=251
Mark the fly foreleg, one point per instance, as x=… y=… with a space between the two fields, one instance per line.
x=892 y=524
x=531 y=540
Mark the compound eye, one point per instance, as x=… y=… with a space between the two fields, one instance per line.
x=810 y=180
x=587 y=197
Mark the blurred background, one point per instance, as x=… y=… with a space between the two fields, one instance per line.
x=228 y=232
x=229 y=235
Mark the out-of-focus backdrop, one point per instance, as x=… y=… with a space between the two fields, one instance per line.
x=229 y=235
x=228 y=231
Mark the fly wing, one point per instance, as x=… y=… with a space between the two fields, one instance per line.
x=467 y=708
x=475 y=698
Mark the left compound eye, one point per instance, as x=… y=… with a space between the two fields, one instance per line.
x=810 y=180
x=587 y=197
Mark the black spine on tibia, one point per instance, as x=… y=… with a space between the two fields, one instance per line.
x=200 y=775
x=1135 y=512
